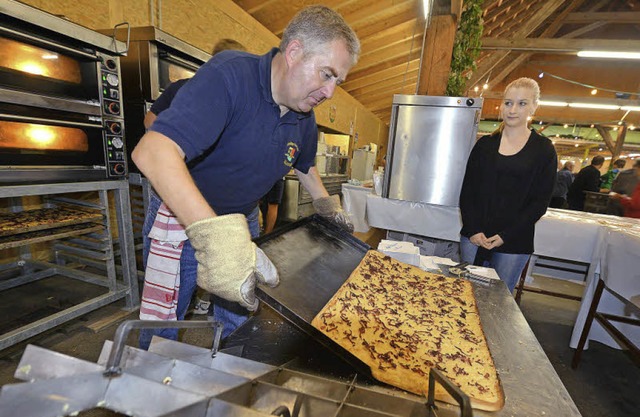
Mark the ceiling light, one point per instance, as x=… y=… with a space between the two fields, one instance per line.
x=485 y=86
x=541 y=75
x=427 y=8
x=630 y=108
x=552 y=103
x=475 y=88
x=566 y=126
x=594 y=91
x=594 y=106
x=576 y=145
x=609 y=54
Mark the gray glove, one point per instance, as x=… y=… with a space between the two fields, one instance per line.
x=229 y=263
x=330 y=209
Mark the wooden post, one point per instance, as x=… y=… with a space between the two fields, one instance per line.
x=436 y=59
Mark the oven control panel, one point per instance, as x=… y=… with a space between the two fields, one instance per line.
x=110 y=86
x=116 y=154
x=111 y=95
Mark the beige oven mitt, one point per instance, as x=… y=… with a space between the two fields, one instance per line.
x=229 y=263
x=330 y=208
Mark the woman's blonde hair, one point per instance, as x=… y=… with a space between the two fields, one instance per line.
x=526 y=82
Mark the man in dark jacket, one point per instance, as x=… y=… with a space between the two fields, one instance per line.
x=588 y=179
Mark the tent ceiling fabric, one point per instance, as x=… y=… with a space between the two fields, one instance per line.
x=520 y=38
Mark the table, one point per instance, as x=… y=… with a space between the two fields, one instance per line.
x=268 y=338
x=596 y=240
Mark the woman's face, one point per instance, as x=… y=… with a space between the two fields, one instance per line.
x=517 y=106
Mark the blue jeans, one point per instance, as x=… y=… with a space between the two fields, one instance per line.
x=509 y=266
x=230 y=314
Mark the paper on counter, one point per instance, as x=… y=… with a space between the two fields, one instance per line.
x=401 y=251
x=429 y=263
x=483 y=271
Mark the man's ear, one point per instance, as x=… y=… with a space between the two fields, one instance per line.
x=293 y=52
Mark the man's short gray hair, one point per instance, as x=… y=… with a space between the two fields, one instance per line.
x=315 y=26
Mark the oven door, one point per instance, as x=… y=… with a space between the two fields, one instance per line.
x=172 y=67
x=47 y=145
x=37 y=65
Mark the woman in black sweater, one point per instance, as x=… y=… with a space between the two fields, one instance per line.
x=507 y=187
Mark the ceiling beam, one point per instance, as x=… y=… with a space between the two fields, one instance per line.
x=551 y=30
x=560 y=44
x=543 y=13
x=381 y=76
x=387 y=63
x=608 y=17
x=585 y=29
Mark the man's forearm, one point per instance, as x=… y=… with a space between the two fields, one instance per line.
x=162 y=163
x=312 y=183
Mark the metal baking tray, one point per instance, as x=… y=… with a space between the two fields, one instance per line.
x=314 y=258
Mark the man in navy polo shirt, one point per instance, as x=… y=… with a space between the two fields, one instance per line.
x=248 y=120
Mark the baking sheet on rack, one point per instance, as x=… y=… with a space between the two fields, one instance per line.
x=313 y=258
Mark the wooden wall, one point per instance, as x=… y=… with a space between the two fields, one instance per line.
x=202 y=23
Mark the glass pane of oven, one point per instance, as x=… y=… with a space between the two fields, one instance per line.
x=37 y=137
x=26 y=66
x=171 y=70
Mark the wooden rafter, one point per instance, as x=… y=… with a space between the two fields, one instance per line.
x=545 y=10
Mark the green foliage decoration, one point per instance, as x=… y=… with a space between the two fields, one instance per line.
x=466 y=47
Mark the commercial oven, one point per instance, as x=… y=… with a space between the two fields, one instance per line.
x=154 y=60
x=60 y=100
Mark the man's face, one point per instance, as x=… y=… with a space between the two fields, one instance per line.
x=313 y=78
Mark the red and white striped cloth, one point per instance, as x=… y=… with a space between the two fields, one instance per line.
x=162 y=275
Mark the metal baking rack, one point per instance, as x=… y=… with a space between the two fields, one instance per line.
x=86 y=241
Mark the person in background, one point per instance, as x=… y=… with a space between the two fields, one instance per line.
x=269 y=206
x=507 y=187
x=624 y=183
x=588 y=179
x=631 y=205
x=606 y=180
x=202 y=302
x=564 y=178
x=219 y=118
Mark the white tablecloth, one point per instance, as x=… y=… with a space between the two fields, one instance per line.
x=609 y=244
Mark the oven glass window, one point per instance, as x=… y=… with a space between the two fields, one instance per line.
x=178 y=73
x=30 y=137
x=39 y=70
x=30 y=59
x=170 y=73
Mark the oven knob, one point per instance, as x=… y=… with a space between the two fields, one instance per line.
x=113 y=80
x=113 y=108
x=111 y=64
x=117 y=143
x=118 y=169
x=115 y=128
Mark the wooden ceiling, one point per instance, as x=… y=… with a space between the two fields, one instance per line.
x=520 y=38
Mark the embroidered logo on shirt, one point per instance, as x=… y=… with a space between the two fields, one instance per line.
x=292 y=149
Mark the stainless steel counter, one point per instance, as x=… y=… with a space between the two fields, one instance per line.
x=531 y=385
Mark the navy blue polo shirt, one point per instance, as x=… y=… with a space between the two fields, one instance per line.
x=236 y=144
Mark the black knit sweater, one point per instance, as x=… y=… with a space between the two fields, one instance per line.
x=506 y=195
